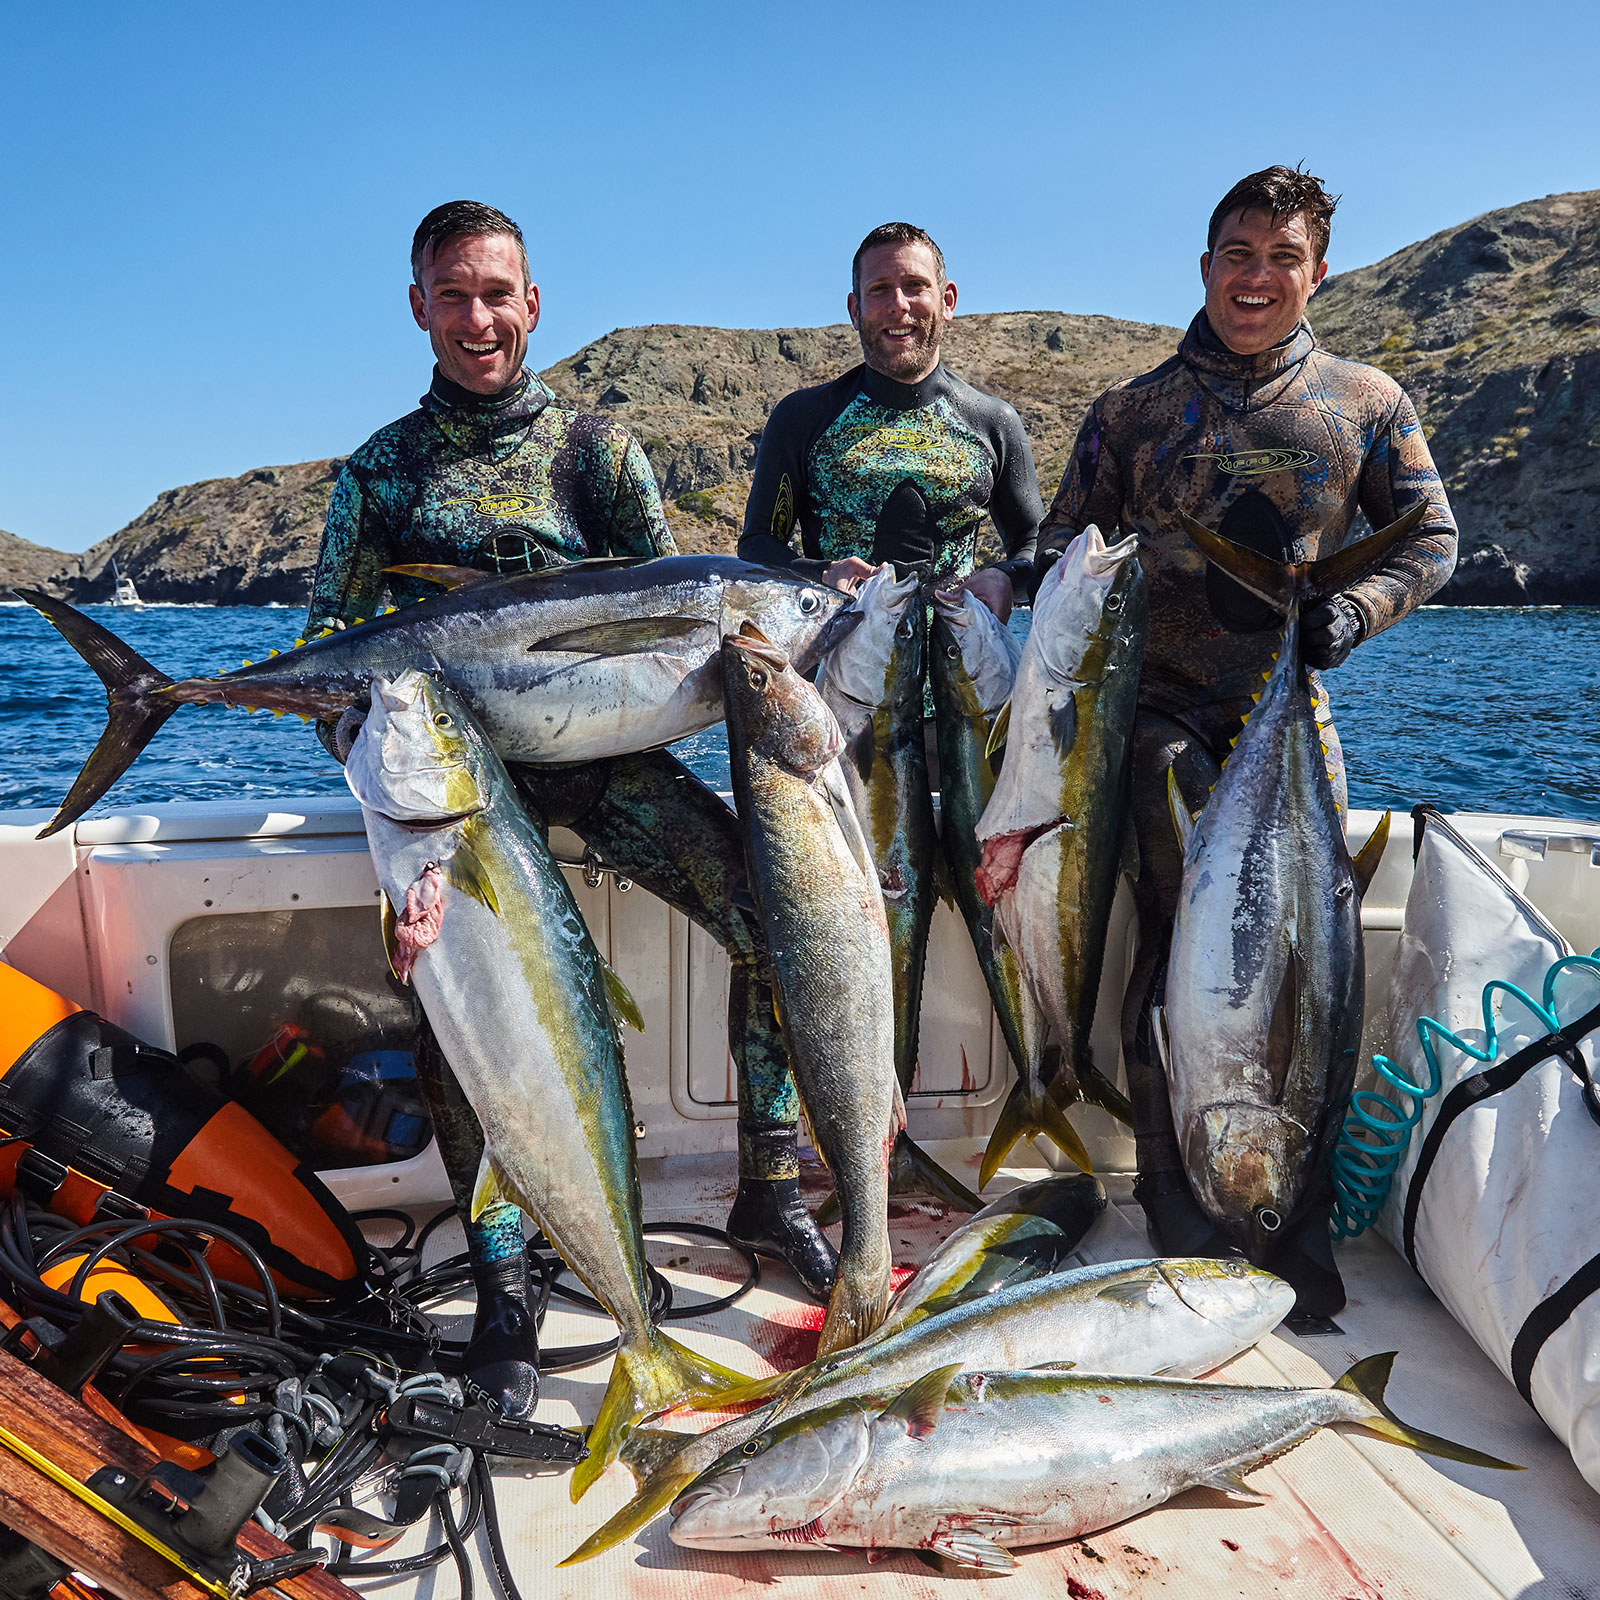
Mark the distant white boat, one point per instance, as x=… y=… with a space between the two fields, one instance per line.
x=126 y=594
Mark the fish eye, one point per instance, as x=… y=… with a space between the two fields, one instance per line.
x=1114 y=603
x=809 y=601
x=951 y=652
x=1234 y=1269
x=758 y=679
x=1269 y=1219
x=751 y=1447
x=443 y=720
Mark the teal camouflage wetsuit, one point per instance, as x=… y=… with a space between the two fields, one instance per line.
x=516 y=482
x=903 y=472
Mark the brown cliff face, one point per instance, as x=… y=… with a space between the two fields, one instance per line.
x=25 y=563
x=1494 y=329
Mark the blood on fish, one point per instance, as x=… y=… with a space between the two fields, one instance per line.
x=1002 y=860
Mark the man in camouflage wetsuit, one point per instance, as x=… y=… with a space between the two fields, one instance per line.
x=1274 y=443
x=494 y=473
x=898 y=460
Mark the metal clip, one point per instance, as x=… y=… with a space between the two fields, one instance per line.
x=1517 y=844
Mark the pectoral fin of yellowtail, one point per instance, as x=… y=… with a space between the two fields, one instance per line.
x=446 y=577
x=494 y=1188
x=920 y=1405
x=466 y=871
x=1371 y=853
x=1182 y=822
x=999 y=730
x=642 y=1384
x=1368 y=1379
x=391 y=937
x=624 y=1008
x=966 y=1547
x=1026 y=1115
x=1128 y=1292
x=831 y=781
x=628 y=636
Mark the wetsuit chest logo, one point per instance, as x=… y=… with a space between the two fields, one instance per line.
x=1252 y=463
x=499 y=505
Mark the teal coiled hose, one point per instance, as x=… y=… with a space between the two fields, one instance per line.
x=1377 y=1128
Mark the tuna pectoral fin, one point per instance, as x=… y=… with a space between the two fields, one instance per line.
x=445 y=576
x=913 y=1171
x=966 y=1547
x=1371 y=853
x=1283 y=1029
x=643 y=1383
x=138 y=701
x=1026 y=1116
x=1368 y=1379
x=630 y=636
x=654 y=1496
x=1281 y=583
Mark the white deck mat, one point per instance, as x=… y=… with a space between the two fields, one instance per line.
x=1349 y=1517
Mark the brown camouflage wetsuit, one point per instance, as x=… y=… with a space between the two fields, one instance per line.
x=1281 y=448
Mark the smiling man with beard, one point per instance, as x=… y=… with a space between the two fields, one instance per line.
x=898 y=460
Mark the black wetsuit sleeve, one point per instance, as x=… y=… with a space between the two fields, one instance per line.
x=1091 y=491
x=638 y=521
x=1015 y=503
x=1397 y=473
x=773 y=527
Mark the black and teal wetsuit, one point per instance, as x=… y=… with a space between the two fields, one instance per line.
x=903 y=472
x=519 y=481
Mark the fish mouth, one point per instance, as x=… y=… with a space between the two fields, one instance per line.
x=752 y=642
x=1002 y=858
x=1101 y=559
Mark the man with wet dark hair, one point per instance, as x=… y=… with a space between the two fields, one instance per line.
x=898 y=460
x=494 y=472
x=1271 y=441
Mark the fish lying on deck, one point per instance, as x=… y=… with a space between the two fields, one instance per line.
x=1055 y=831
x=568 y=664
x=483 y=922
x=971 y=1465
x=1179 y=1316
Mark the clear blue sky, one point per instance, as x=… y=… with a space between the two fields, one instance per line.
x=208 y=207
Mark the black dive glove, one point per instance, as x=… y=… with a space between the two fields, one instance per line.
x=1329 y=631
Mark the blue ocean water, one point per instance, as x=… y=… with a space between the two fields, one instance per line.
x=1473 y=710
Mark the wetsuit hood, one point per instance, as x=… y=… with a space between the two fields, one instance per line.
x=1244 y=383
x=485 y=424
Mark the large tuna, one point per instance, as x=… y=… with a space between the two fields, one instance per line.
x=1265 y=984
x=1179 y=1316
x=484 y=924
x=1054 y=831
x=568 y=664
x=821 y=908
x=872 y=682
x=972 y=1465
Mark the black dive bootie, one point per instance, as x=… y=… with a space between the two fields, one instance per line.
x=768 y=1213
x=770 y=1218
x=1173 y=1218
x=1304 y=1260
x=501 y=1360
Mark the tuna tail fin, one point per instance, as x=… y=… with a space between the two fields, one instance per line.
x=1282 y=583
x=137 y=703
x=913 y=1171
x=1368 y=1379
x=643 y=1383
x=1027 y=1114
x=856 y=1308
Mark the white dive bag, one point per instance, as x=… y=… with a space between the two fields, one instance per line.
x=1497 y=1200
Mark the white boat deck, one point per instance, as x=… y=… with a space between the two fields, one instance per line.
x=1348 y=1516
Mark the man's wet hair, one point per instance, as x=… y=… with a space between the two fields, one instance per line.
x=894 y=233
x=1282 y=192
x=456 y=218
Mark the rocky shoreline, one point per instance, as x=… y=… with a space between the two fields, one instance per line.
x=1493 y=327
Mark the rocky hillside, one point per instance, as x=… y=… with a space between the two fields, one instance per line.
x=1493 y=326
x=1494 y=329
x=21 y=562
x=250 y=540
